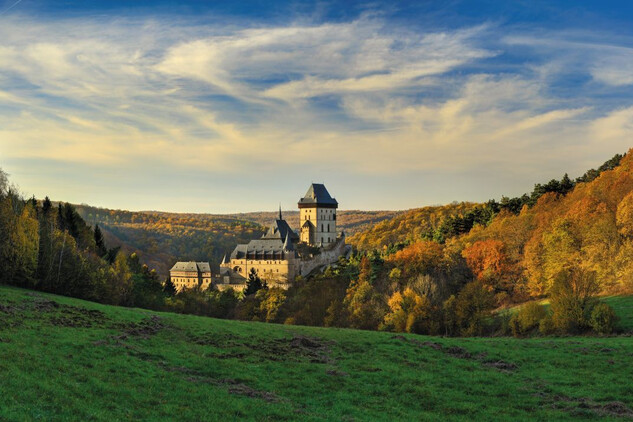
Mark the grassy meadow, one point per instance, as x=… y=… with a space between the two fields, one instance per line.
x=66 y=359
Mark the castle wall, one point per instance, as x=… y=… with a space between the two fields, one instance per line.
x=225 y=286
x=326 y=257
x=277 y=273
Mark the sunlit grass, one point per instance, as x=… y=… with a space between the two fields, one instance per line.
x=61 y=363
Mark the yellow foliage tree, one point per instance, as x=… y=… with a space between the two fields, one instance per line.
x=410 y=312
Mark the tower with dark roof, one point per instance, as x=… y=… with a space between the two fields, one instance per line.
x=317 y=216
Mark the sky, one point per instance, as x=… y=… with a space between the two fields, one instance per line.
x=226 y=106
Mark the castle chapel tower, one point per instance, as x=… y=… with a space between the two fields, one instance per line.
x=317 y=216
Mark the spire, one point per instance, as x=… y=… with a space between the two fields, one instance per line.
x=280 y=211
x=224 y=261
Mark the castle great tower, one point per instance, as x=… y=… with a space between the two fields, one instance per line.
x=317 y=216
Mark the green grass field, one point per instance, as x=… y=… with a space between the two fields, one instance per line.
x=65 y=359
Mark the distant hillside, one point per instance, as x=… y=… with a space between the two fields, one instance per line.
x=589 y=228
x=406 y=226
x=351 y=221
x=162 y=238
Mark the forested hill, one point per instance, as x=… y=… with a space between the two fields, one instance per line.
x=162 y=238
x=350 y=221
x=408 y=226
x=439 y=223
x=444 y=273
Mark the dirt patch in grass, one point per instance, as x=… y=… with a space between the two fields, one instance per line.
x=143 y=329
x=8 y=309
x=583 y=404
x=593 y=351
x=44 y=305
x=501 y=365
x=297 y=348
x=314 y=349
x=244 y=390
x=146 y=328
x=335 y=373
x=461 y=353
x=214 y=339
x=51 y=312
x=233 y=386
x=614 y=408
x=8 y=316
x=72 y=316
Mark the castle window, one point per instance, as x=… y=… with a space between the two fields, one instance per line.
x=328 y=229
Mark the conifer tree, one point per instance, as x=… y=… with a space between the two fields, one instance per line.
x=254 y=283
x=46 y=206
x=169 y=289
x=101 y=248
x=60 y=217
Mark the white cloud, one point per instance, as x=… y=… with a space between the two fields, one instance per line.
x=606 y=60
x=241 y=101
x=615 y=126
x=616 y=70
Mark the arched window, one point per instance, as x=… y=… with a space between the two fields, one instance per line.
x=328 y=229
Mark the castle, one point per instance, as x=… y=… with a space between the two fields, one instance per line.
x=281 y=254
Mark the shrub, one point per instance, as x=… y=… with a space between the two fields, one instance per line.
x=572 y=299
x=546 y=326
x=515 y=327
x=527 y=319
x=472 y=306
x=603 y=319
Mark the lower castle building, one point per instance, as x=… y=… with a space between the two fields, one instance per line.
x=188 y=275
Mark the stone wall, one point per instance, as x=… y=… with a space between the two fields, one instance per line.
x=326 y=257
x=281 y=273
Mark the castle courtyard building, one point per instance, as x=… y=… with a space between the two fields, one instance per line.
x=189 y=275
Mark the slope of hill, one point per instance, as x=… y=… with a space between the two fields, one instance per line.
x=162 y=238
x=66 y=359
x=351 y=221
x=588 y=230
x=407 y=226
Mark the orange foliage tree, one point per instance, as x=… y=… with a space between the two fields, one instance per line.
x=486 y=258
x=418 y=258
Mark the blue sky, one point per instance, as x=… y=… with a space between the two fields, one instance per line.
x=237 y=106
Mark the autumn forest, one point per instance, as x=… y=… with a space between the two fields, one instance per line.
x=531 y=265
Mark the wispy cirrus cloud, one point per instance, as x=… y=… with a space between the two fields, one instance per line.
x=360 y=98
